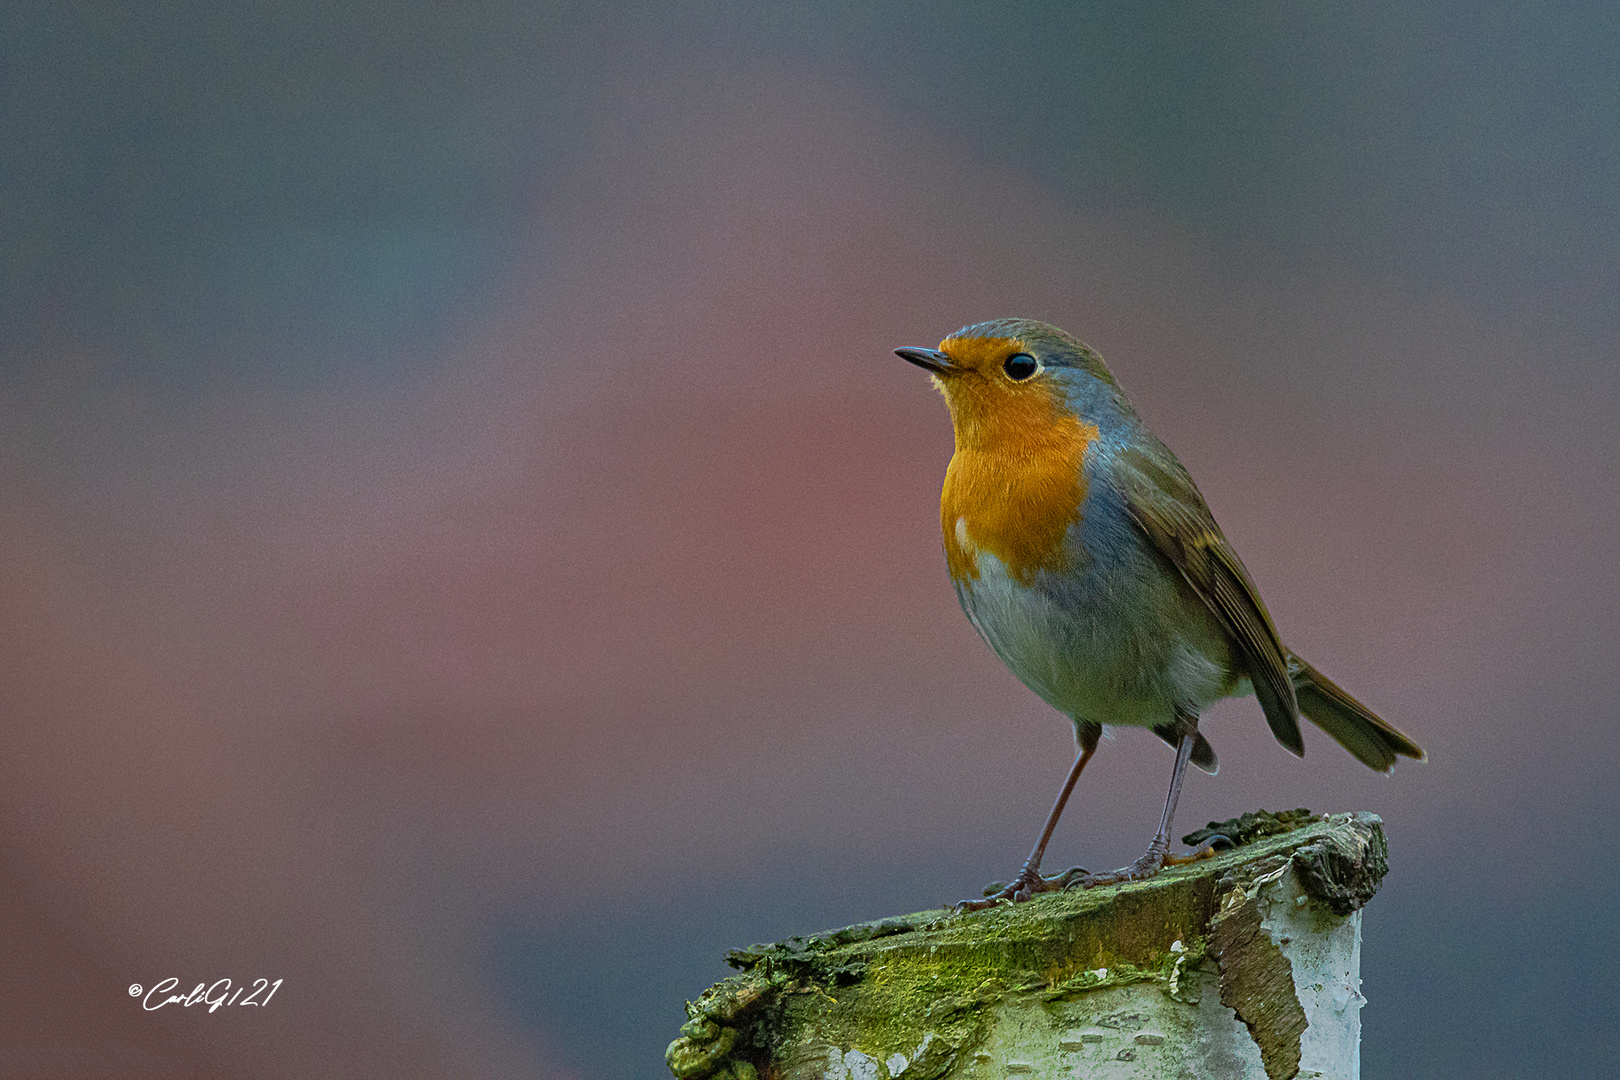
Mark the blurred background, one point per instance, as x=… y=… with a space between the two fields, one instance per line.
x=468 y=550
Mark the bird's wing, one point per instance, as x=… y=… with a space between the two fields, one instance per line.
x=1166 y=506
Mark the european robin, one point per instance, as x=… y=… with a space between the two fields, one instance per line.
x=1085 y=557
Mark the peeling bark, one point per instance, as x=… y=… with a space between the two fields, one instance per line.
x=1257 y=983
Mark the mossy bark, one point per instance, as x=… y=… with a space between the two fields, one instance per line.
x=1130 y=978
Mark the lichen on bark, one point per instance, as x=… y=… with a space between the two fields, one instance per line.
x=912 y=998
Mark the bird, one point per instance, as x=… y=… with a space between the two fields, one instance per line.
x=1086 y=558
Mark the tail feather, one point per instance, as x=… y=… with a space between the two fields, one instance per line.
x=1203 y=754
x=1347 y=721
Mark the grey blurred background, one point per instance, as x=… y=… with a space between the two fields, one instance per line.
x=467 y=548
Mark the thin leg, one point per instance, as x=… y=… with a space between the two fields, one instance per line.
x=1029 y=880
x=1161 y=839
x=1158 y=851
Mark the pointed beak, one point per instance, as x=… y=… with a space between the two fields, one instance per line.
x=932 y=359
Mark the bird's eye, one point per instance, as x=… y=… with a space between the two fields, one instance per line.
x=1020 y=366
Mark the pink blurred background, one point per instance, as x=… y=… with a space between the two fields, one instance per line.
x=484 y=673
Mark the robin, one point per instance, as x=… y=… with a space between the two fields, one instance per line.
x=1085 y=557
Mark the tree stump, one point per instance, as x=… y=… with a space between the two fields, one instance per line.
x=1243 y=965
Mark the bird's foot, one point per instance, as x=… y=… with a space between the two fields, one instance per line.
x=1140 y=870
x=1210 y=848
x=1028 y=882
x=1156 y=859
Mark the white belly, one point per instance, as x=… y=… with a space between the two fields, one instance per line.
x=1091 y=647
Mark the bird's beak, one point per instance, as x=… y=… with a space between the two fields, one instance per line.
x=932 y=359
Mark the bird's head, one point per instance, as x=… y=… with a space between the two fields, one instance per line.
x=1011 y=379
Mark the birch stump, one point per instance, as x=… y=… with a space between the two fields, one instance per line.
x=1243 y=965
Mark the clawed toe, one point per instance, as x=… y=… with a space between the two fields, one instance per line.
x=1140 y=870
x=1021 y=888
x=1151 y=863
x=1067 y=879
x=1207 y=850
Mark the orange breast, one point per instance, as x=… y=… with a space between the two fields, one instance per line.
x=1014 y=491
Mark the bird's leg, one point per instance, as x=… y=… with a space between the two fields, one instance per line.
x=1029 y=880
x=1158 y=852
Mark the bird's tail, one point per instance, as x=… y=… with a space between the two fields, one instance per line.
x=1350 y=723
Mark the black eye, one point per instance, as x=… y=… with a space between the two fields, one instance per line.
x=1020 y=366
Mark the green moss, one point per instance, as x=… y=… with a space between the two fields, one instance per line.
x=924 y=986
x=1249 y=827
